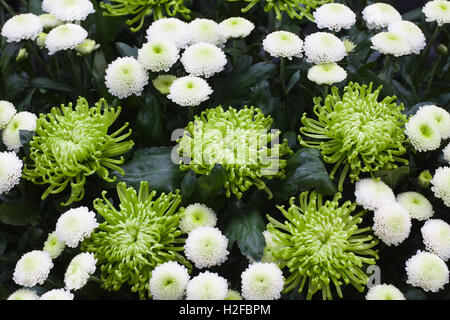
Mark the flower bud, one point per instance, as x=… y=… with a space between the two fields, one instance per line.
x=22 y=55
x=86 y=47
x=442 y=50
x=424 y=179
x=40 y=39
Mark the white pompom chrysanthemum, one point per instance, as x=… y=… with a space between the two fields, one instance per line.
x=171 y=29
x=446 y=152
x=49 y=21
x=32 y=268
x=423 y=132
x=125 y=77
x=169 y=281
x=384 y=292
x=207 y=286
x=380 y=15
x=427 y=271
x=205 y=30
x=283 y=44
x=197 y=215
x=235 y=27
x=158 y=55
x=327 y=73
x=189 y=91
x=65 y=37
x=437 y=10
x=372 y=194
x=10 y=171
x=57 y=294
x=23 y=294
x=440 y=116
x=262 y=281
x=334 y=16
x=440 y=184
x=74 y=225
x=436 y=237
x=53 y=246
x=20 y=121
x=324 y=47
x=69 y=10
x=7 y=111
x=391 y=43
x=79 y=270
x=392 y=224
x=411 y=32
x=22 y=27
x=417 y=205
x=206 y=247
x=203 y=59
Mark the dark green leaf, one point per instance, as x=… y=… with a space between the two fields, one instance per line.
x=213 y=183
x=294 y=79
x=188 y=184
x=47 y=83
x=125 y=50
x=26 y=136
x=18 y=214
x=149 y=122
x=393 y=177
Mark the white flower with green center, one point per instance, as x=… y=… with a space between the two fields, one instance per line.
x=417 y=205
x=169 y=281
x=327 y=73
x=427 y=271
x=197 y=215
x=423 y=133
x=171 y=29
x=206 y=247
x=79 y=270
x=203 y=59
x=391 y=43
x=324 y=47
x=7 y=111
x=32 y=268
x=235 y=27
x=233 y=295
x=11 y=133
x=65 y=37
x=207 y=286
x=125 y=77
x=23 y=294
x=440 y=184
x=283 y=44
x=205 y=30
x=68 y=10
x=22 y=27
x=86 y=47
x=158 y=55
x=446 y=152
x=334 y=16
x=163 y=82
x=440 y=116
x=373 y=194
x=436 y=237
x=189 y=91
x=411 y=32
x=384 y=292
x=53 y=246
x=49 y=21
x=10 y=171
x=57 y=294
x=74 y=225
x=380 y=15
x=262 y=281
x=437 y=10
x=392 y=224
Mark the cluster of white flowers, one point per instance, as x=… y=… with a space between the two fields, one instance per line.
x=334 y=16
x=10 y=171
x=436 y=237
x=79 y=270
x=428 y=127
x=68 y=10
x=32 y=268
x=75 y=225
x=384 y=292
x=169 y=281
x=440 y=184
x=197 y=215
x=427 y=271
x=437 y=10
x=411 y=33
x=207 y=286
x=262 y=281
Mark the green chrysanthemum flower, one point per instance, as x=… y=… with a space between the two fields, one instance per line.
x=321 y=244
x=139 y=9
x=241 y=142
x=143 y=233
x=73 y=143
x=356 y=131
x=295 y=9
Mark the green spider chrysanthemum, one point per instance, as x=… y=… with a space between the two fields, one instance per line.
x=296 y=9
x=241 y=142
x=356 y=131
x=321 y=244
x=73 y=143
x=142 y=8
x=143 y=233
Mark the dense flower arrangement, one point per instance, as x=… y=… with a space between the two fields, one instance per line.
x=155 y=149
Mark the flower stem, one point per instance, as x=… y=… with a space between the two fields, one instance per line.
x=8 y=8
x=432 y=75
x=282 y=81
x=426 y=52
x=234 y=53
x=191 y=113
